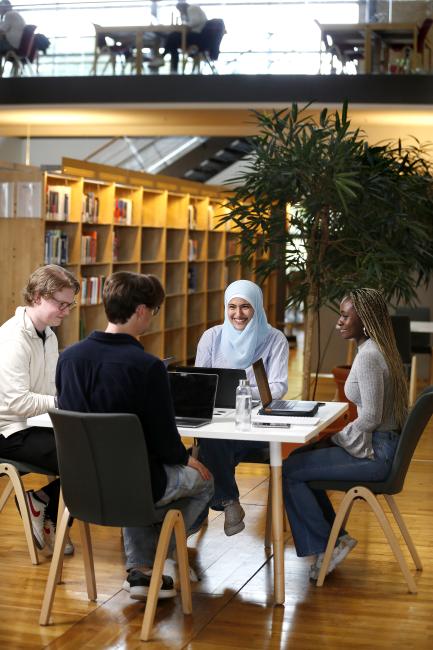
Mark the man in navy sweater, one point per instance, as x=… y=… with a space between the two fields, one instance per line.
x=110 y=372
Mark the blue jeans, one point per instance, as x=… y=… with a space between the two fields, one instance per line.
x=186 y=491
x=221 y=458
x=310 y=512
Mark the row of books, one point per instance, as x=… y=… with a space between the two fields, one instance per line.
x=90 y=212
x=56 y=247
x=89 y=243
x=91 y=290
x=123 y=211
x=192 y=249
x=58 y=202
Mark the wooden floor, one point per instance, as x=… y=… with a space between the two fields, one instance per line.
x=364 y=604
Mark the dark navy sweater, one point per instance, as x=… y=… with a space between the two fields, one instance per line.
x=111 y=373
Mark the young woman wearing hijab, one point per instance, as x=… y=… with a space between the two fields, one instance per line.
x=244 y=337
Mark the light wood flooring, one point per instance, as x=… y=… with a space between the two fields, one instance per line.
x=364 y=604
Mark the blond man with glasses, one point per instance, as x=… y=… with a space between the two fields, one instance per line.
x=28 y=358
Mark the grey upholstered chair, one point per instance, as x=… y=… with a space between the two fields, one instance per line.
x=105 y=478
x=415 y=424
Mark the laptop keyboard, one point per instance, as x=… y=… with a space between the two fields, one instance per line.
x=283 y=404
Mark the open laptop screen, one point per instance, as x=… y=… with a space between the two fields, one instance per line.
x=262 y=382
x=228 y=381
x=193 y=394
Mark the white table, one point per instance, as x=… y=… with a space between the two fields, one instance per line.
x=224 y=427
x=421 y=326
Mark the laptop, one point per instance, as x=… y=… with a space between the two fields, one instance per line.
x=228 y=381
x=279 y=406
x=193 y=397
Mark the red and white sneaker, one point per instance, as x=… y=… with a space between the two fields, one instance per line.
x=37 y=515
x=50 y=538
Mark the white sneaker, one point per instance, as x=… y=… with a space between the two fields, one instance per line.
x=171 y=569
x=50 y=538
x=345 y=544
x=156 y=62
x=37 y=514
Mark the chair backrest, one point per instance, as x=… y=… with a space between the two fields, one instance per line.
x=416 y=313
x=401 y=327
x=103 y=467
x=422 y=34
x=26 y=43
x=414 y=426
x=211 y=36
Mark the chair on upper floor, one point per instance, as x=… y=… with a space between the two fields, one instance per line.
x=93 y=449
x=420 y=343
x=105 y=44
x=208 y=48
x=14 y=470
x=369 y=491
x=20 y=57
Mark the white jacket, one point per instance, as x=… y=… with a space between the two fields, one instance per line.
x=12 y=26
x=27 y=372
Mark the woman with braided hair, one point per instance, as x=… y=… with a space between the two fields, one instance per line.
x=365 y=448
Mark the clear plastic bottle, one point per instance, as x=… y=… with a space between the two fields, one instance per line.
x=243 y=406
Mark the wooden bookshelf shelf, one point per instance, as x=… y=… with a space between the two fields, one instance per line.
x=98 y=220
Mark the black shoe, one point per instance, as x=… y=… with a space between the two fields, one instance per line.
x=138 y=583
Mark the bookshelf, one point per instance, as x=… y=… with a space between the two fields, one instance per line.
x=101 y=219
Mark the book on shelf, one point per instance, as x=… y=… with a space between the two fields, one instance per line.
x=56 y=247
x=58 y=203
x=90 y=213
x=123 y=211
x=192 y=249
x=232 y=246
x=91 y=289
x=89 y=242
x=192 y=217
x=116 y=246
x=192 y=279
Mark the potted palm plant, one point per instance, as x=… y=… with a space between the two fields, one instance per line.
x=333 y=211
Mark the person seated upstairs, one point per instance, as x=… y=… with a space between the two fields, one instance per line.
x=11 y=27
x=195 y=18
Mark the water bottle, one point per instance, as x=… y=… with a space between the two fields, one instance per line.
x=243 y=406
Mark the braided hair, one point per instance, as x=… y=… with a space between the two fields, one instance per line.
x=371 y=308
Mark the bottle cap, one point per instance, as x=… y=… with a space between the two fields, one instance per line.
x=244 y=382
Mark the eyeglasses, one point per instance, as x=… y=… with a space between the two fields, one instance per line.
x=62 y=306
x=155 y=310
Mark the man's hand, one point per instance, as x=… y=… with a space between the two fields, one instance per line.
x=201 y=469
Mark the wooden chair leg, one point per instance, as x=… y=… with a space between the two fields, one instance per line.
x=183 y=564
x=89 y=566
x=413 y=381
x=6 y=494
x=170 y=521
x=18 y=487
x=372 y=501
x=56 y=563
x=340 y=517
x=404 y=531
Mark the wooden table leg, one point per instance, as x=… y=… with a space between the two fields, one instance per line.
x=277 y=522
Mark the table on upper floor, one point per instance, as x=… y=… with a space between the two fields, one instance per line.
x=133 y=36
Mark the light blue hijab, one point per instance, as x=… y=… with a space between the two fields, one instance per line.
x=240 y=346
